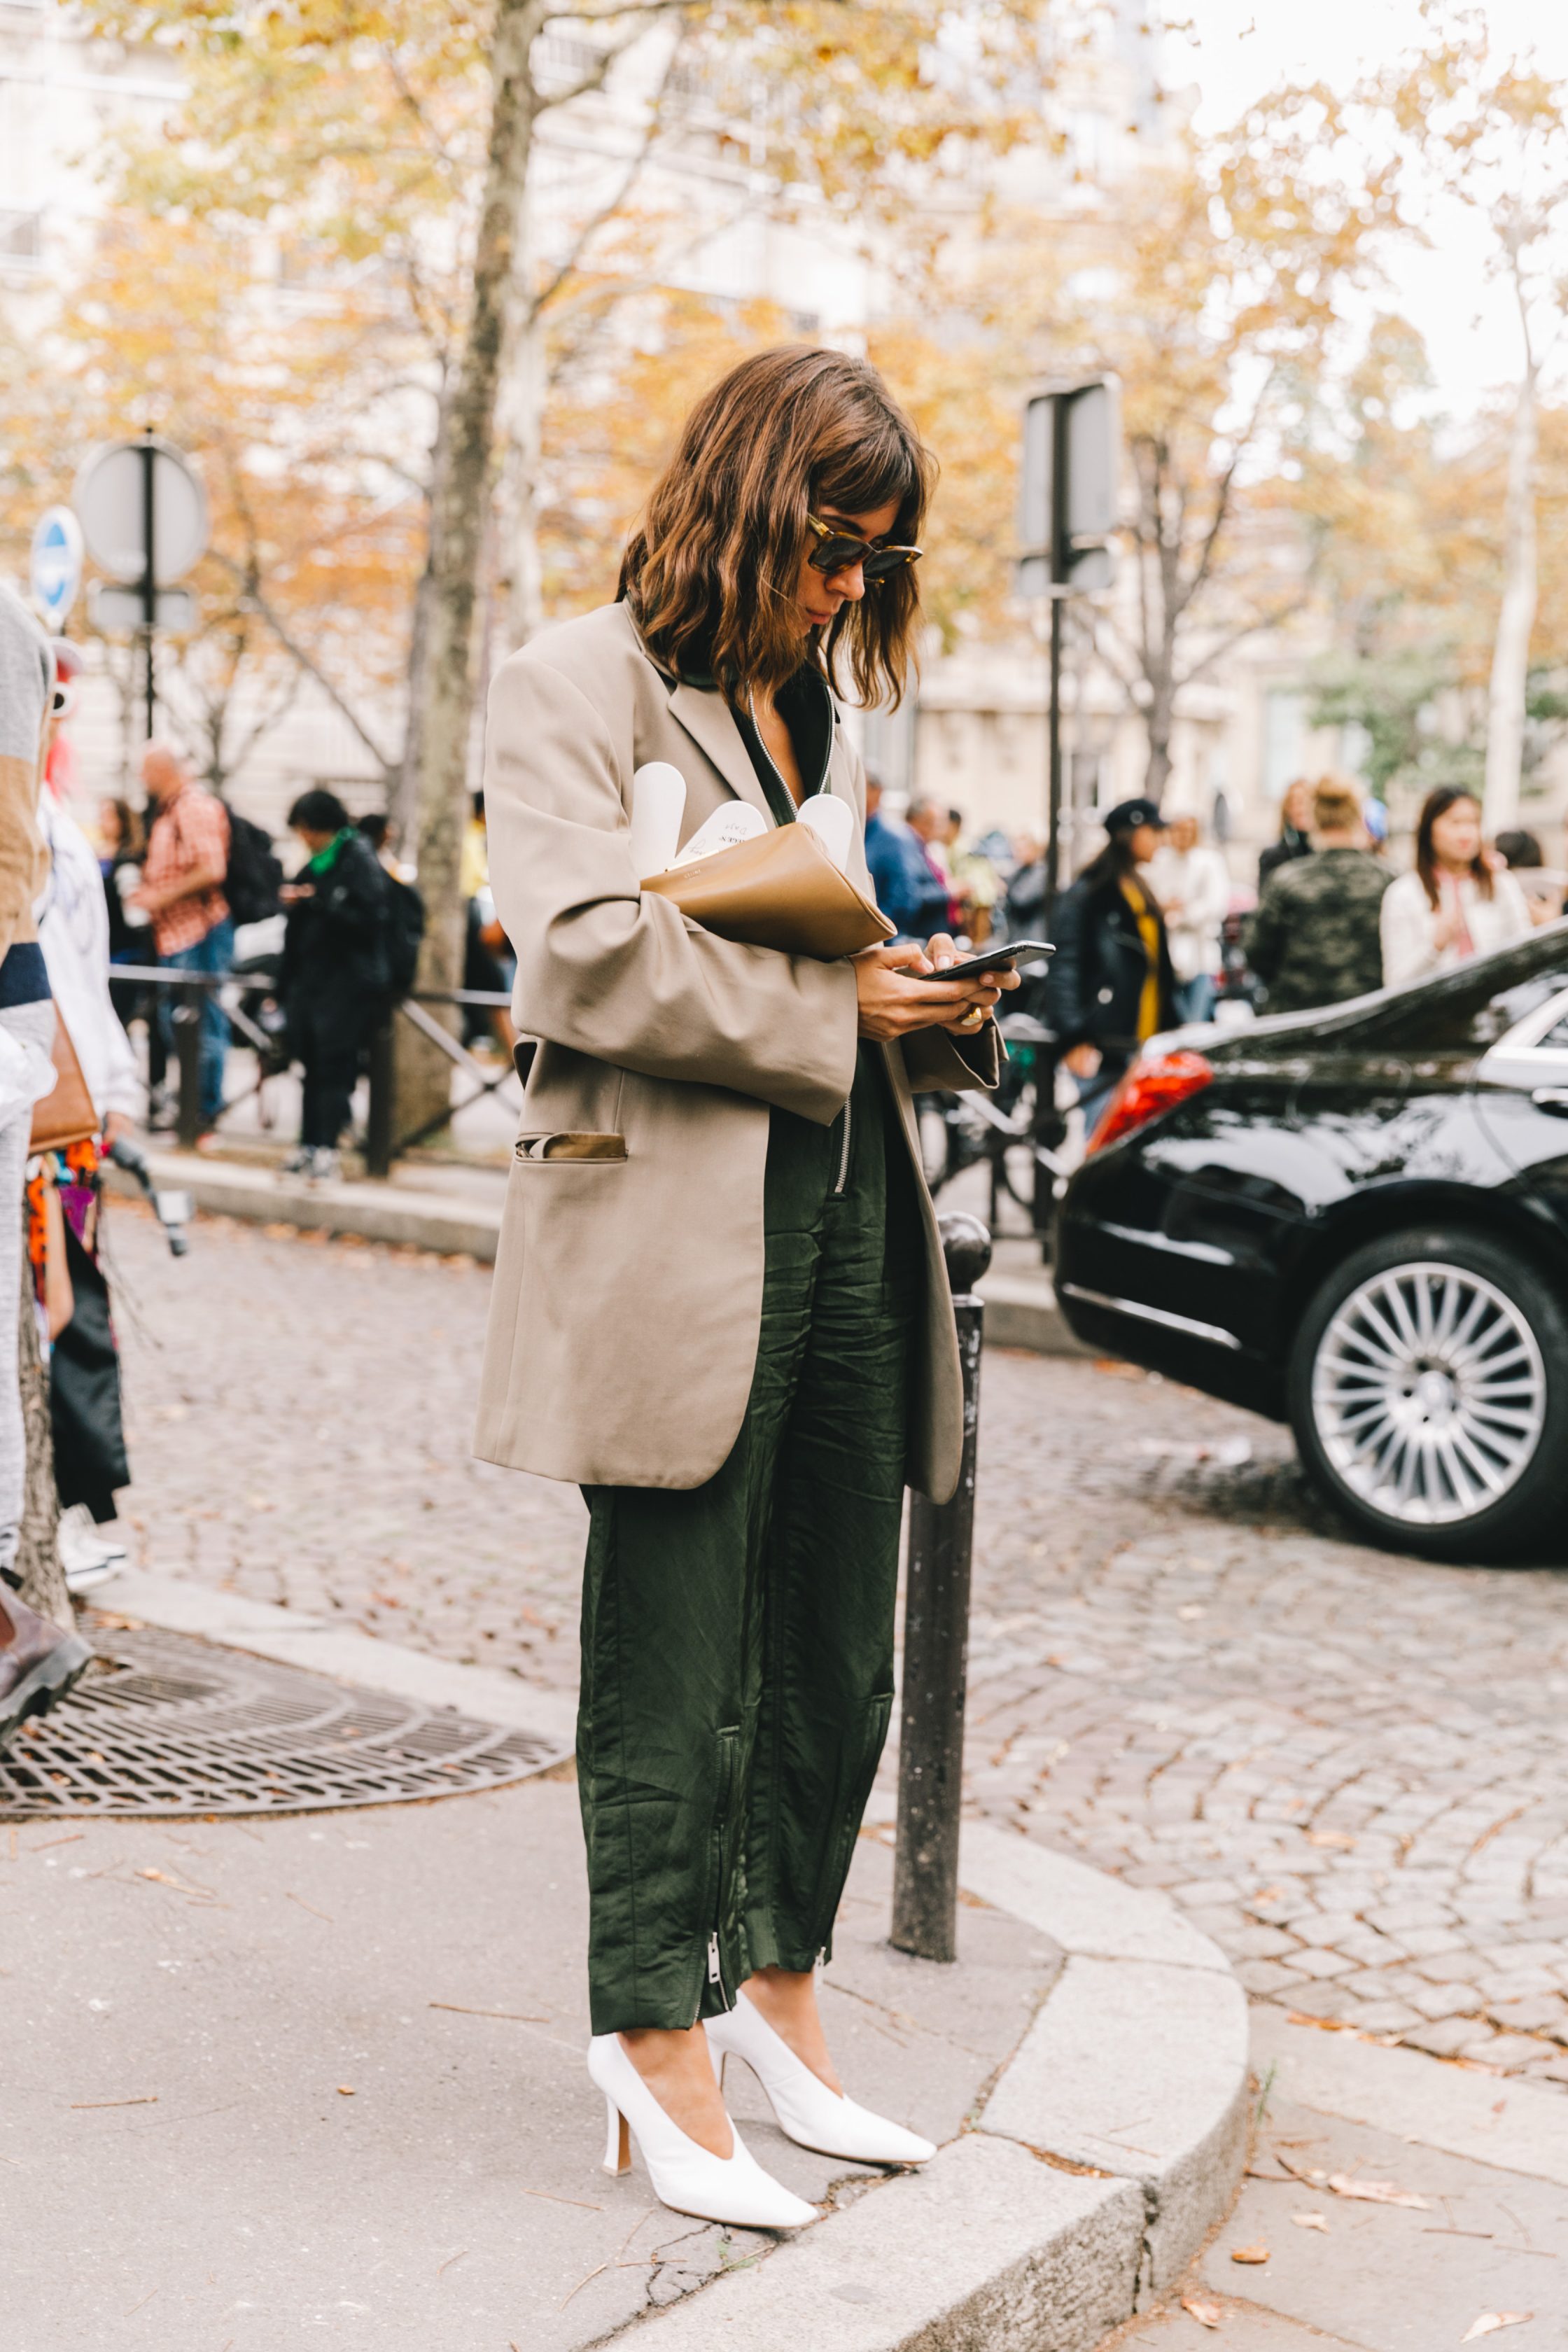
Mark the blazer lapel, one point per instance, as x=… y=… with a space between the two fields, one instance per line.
x=708 y=719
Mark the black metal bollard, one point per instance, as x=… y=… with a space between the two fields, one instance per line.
x=187 y=1020
x=379 y=1124
x=936 y=1648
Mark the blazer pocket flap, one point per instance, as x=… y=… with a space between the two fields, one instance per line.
x=567 y=1144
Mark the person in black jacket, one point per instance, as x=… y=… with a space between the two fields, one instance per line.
x=1112 y=987
x=335 y=976
x=1295 y=832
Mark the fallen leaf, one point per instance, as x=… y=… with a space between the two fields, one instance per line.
x=1376 y=2192
x=1208 y=2314
x=345 y=2091
x=1309 y=2221
x=1491 y=2321
x=1250 y=2253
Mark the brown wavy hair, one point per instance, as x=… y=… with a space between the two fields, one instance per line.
x=710 y=572
x=1434 y=805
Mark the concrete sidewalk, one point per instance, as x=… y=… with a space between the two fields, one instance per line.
x=323 y=2077
x=1393 y=2203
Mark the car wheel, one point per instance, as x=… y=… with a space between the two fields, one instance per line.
x=1428 y=1389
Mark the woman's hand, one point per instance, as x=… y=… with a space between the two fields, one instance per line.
x=1082 y=1061
x=894 y=1004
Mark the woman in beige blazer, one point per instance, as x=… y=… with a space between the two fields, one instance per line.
x=718 y=1302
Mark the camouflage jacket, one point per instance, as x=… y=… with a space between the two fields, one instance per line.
x=1314 y=939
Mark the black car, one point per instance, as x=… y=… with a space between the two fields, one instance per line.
x=1357 y=1220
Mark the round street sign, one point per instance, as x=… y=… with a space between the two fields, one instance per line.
x=109 y=499
x=57 y=564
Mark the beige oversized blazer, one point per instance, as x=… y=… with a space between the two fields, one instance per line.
x=627 y=1304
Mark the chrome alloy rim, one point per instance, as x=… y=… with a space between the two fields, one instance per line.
x=1428 y=1393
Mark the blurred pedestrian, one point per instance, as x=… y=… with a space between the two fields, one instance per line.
x=38 y=1661
x=182 y=890
x=939 y=910
x=1521 y=852
x=1023 y=898
x=1111 y=986
x=488 y=964
x=728 y=1319
x=976 y=890
x=1192 y=882
x=404 y=906
x=65 y=1204
x=1314 y=937
x=1295 y=832
x=1451 y=905
x=909 y=891
x=334 y=982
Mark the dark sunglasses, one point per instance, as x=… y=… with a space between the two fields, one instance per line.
x=838 y=550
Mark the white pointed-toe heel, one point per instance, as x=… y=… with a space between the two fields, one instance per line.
x=686 y=2177
x=803 y=2105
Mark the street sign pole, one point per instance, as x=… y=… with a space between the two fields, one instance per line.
x=1054 y=696
x=148 y=571
x=1066 y=515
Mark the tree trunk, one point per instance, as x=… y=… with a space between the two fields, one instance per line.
x=1159 y=719
x=39 y=1576
x=1516 y=619
x=440 y=724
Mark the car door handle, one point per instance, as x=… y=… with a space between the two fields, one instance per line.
x=1551 y=1099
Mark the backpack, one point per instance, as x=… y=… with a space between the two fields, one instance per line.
x=255 y=874
x=404 y=930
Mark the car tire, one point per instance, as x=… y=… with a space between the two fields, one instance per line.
x=1428 y=1392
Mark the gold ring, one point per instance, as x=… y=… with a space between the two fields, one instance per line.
x=972 y=1018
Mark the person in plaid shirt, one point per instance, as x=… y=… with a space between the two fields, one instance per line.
x=182 y=890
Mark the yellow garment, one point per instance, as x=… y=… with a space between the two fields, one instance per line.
x=474 y=871
x=1148 y=924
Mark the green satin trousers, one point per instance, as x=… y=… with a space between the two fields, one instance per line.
x=738 y=1637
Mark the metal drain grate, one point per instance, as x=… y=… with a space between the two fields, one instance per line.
x=166 y=1725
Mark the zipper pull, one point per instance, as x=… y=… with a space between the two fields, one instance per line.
x=713 y=1976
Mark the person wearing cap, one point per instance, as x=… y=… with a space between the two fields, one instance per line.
x=1315 y=938
x=1111 y=986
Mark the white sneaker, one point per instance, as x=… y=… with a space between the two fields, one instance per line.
x=87 y=1559
x=324 y=1165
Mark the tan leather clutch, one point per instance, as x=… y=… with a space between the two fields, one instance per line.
x=65 y=1115
x=780 y=890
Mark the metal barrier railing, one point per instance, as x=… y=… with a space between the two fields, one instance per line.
x=383 y=1141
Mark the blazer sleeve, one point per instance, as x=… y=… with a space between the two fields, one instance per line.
x=607 y=969
x=1407 y=923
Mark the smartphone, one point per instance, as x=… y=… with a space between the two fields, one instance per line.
x=994 y=959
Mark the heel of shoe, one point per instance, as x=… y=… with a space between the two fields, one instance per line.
x=617 y=2140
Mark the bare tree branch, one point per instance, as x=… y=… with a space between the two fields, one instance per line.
x=612 y=204
x=1262 y=621
x=291 y=645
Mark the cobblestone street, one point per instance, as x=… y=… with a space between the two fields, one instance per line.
x=1352 y=1769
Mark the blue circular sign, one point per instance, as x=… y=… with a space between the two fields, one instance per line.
x=57 y=564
